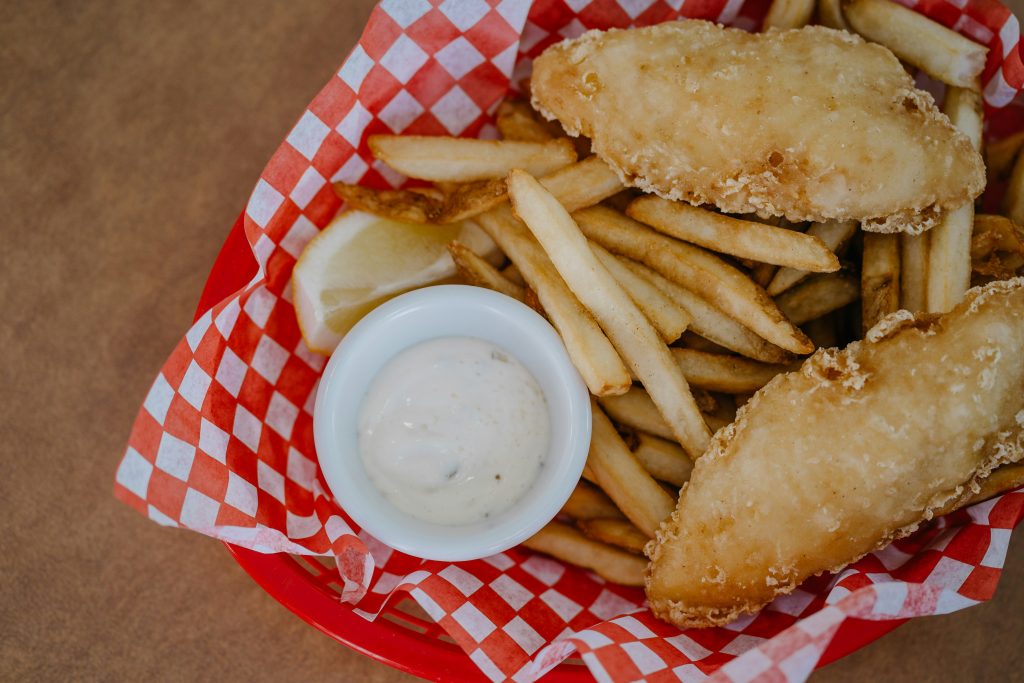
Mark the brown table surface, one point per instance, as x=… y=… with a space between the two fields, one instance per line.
x=131 y=135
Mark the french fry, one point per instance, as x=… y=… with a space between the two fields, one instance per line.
x=712 y=325
x=727 y=374
x=477 y=271
x=833 y=234
x=400 y=205
x=570 y=545
x=823 y=331
x=744 y=239
x=831 y=14
x=589 y=502
x=715 y=422
x=583 y=184
x=696 y=269
x=762 y=273
x=726 y=409
x=949 y=248
x=997 y=247
x=616 y=532
x=668 y=318
x=620 y=200
x=663 y=460
x=516 y=120
x=426 y=205
x=618 y=473
x=692 y=340
x=469 y=199
x=995 y=233
x=627 y=328
x=943 y=54
x=1013 y=200
x=817 y=296
x=593 y=355
x=914 y=271
x=789 y=14
x=448 y=159
x=879 y=277
x=1000 y=481
x=636 y=410
x=1000 y=155
x=512 y=273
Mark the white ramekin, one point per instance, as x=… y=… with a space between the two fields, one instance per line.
x=449 y=311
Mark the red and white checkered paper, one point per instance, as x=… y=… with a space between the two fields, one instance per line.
x=223 y=444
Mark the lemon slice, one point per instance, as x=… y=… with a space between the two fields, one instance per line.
x=360 y=261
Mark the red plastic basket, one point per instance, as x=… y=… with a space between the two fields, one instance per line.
x=403 y=637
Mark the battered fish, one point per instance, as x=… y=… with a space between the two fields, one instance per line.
x=811 y=124
x=835 y=460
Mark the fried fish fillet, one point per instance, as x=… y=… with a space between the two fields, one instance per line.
x=835 y=460
x=810 y=124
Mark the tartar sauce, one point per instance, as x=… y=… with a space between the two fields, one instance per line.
x=453 y=430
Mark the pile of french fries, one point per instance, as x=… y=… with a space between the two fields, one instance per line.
x=675 y=315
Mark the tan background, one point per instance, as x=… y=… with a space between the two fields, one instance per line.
x=131 y=135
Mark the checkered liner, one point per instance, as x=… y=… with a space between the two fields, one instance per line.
x=224 y=443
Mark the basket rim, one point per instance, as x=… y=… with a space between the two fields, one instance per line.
x=285 y=581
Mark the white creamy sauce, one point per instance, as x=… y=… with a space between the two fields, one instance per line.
x=453 y=430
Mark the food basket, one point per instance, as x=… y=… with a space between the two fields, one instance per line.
x=223 y=444
x=404 y=636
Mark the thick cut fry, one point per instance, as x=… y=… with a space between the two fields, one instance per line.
x=949 y=249
x=516 y=120
x=627 y=328
x=1013 y=200
x=569 y=545
x=728 y=374
x=664 y=460
x=879 y=277
x=789 y=14
x=745 y=239
x=616 y=532
x=477 y=271
x=943 y=54
x=914 y=272
x=618 y=473
x=584 y=184
x=590 y=502
x=831 y=14
x=447 y=159
x=1000 y=155
x=817 y=296
x=668 y=318
x=833 y=234
x=593 y=355
x=696 y=269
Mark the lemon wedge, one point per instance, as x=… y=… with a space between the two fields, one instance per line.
x=360 y=261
